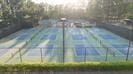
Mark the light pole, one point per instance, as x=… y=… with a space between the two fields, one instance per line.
x=63 y=35
x=128 y=21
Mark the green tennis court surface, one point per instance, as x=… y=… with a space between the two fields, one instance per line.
x=46 y=45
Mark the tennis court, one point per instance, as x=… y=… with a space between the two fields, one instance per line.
x=81 y=45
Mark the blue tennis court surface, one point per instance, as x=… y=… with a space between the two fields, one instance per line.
x=48 y=49
x=52 y=30
x=34 y=52
x=109 y=37
x=49 y=37
x=78 y=37
x=75 y=31
x=120 y=45
x=123 y=48
x=78 y=43
x=23 y=37
x=82 y=50
x=3 y=51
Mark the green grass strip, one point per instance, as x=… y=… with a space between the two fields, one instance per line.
x=119 y=66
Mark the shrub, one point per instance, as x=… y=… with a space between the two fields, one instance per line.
x=126 y=66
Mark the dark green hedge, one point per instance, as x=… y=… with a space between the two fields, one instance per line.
x=69 y=67
x=130 y=17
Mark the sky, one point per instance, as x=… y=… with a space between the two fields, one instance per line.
x=56 y=2
x=76 y=3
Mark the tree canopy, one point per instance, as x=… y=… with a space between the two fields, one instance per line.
x=14 y=11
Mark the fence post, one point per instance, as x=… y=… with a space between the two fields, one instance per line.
x=128 y=51
x=85 y=55
x=106 y=59
x=128 y=21
x=41 y=55
x=130 y=36
x=20 y=55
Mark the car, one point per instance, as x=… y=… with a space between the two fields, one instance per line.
x=63 y=19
